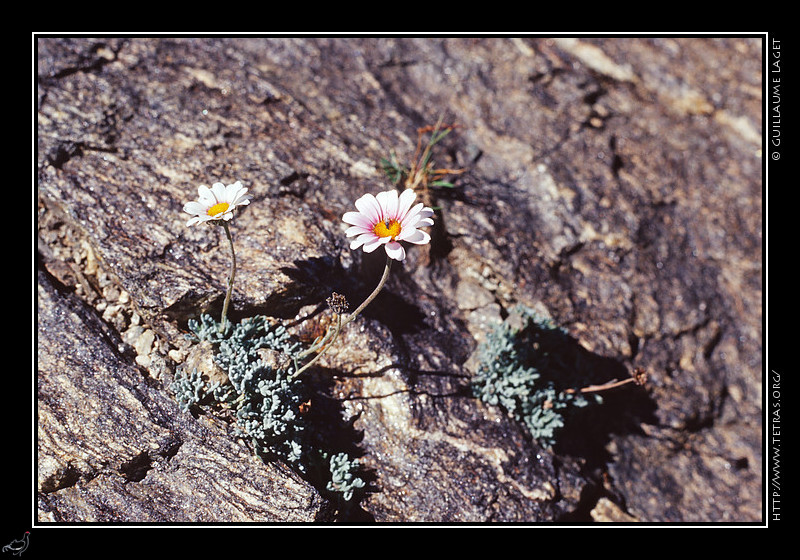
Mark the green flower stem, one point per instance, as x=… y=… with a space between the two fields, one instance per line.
x=330 y=337
x=224 y=319
x=374 y=293
x=324 y=344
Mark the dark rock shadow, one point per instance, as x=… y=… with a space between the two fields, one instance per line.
x=329 y=430
x=441 y=243
x=313 y=280
x=567 y=370
x=617 y=410
x=317 y=274
x=588 y=430
x=622 y=409
x=399 y=316
x=316 y=279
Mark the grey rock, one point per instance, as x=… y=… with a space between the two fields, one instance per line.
x=113 y=446
x=614 y=184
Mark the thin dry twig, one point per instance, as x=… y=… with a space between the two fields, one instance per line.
x=638 y=377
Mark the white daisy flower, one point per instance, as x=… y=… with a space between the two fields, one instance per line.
x=216 y=203
x=386 y=219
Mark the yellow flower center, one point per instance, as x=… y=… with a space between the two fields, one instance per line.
x=390 y=228
x=218 y=208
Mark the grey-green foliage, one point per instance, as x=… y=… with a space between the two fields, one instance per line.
x=525 y=366
x=343 y=479
x=265 y=398
x=190 y=389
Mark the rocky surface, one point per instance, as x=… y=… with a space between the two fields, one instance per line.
x=613 y=184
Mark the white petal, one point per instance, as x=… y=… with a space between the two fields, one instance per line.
x=241 y=201
x=218 y=190
x=233 y=189
x=239 y=195
x=388 y=202
x=405 y=202
x=229 y=193
x=195 y=220
x=368 y=205
x=203 y=218
x=418 y=237
x=395 y=251
x=194 y=207
x=357 y=219
x=206 y=196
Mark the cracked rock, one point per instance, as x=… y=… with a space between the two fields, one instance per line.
x=614 y=183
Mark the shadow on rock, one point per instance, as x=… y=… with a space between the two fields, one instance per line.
x=566 y=396
x=618 y=410
x=329 y=430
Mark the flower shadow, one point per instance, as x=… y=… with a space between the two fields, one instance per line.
x=316 y=278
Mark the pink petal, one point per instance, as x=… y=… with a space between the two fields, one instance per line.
x=411 y=218
x=426 y=213
x=370 y=246
x=423 y=219
x=406 y=233
x=418 y=212
x=362 y=239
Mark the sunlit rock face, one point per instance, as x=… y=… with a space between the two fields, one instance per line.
x=613 y=185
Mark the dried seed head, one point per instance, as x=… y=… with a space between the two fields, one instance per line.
x=337 y=303
x=639 y=376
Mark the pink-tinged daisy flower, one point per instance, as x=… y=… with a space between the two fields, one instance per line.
x=216 y=203
x=386 y=219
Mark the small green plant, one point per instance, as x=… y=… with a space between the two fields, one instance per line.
x=260 y=382
x=267 y=401
x=529 y=368
x=422 y=173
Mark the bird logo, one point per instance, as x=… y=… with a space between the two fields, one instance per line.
x=18 y=546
